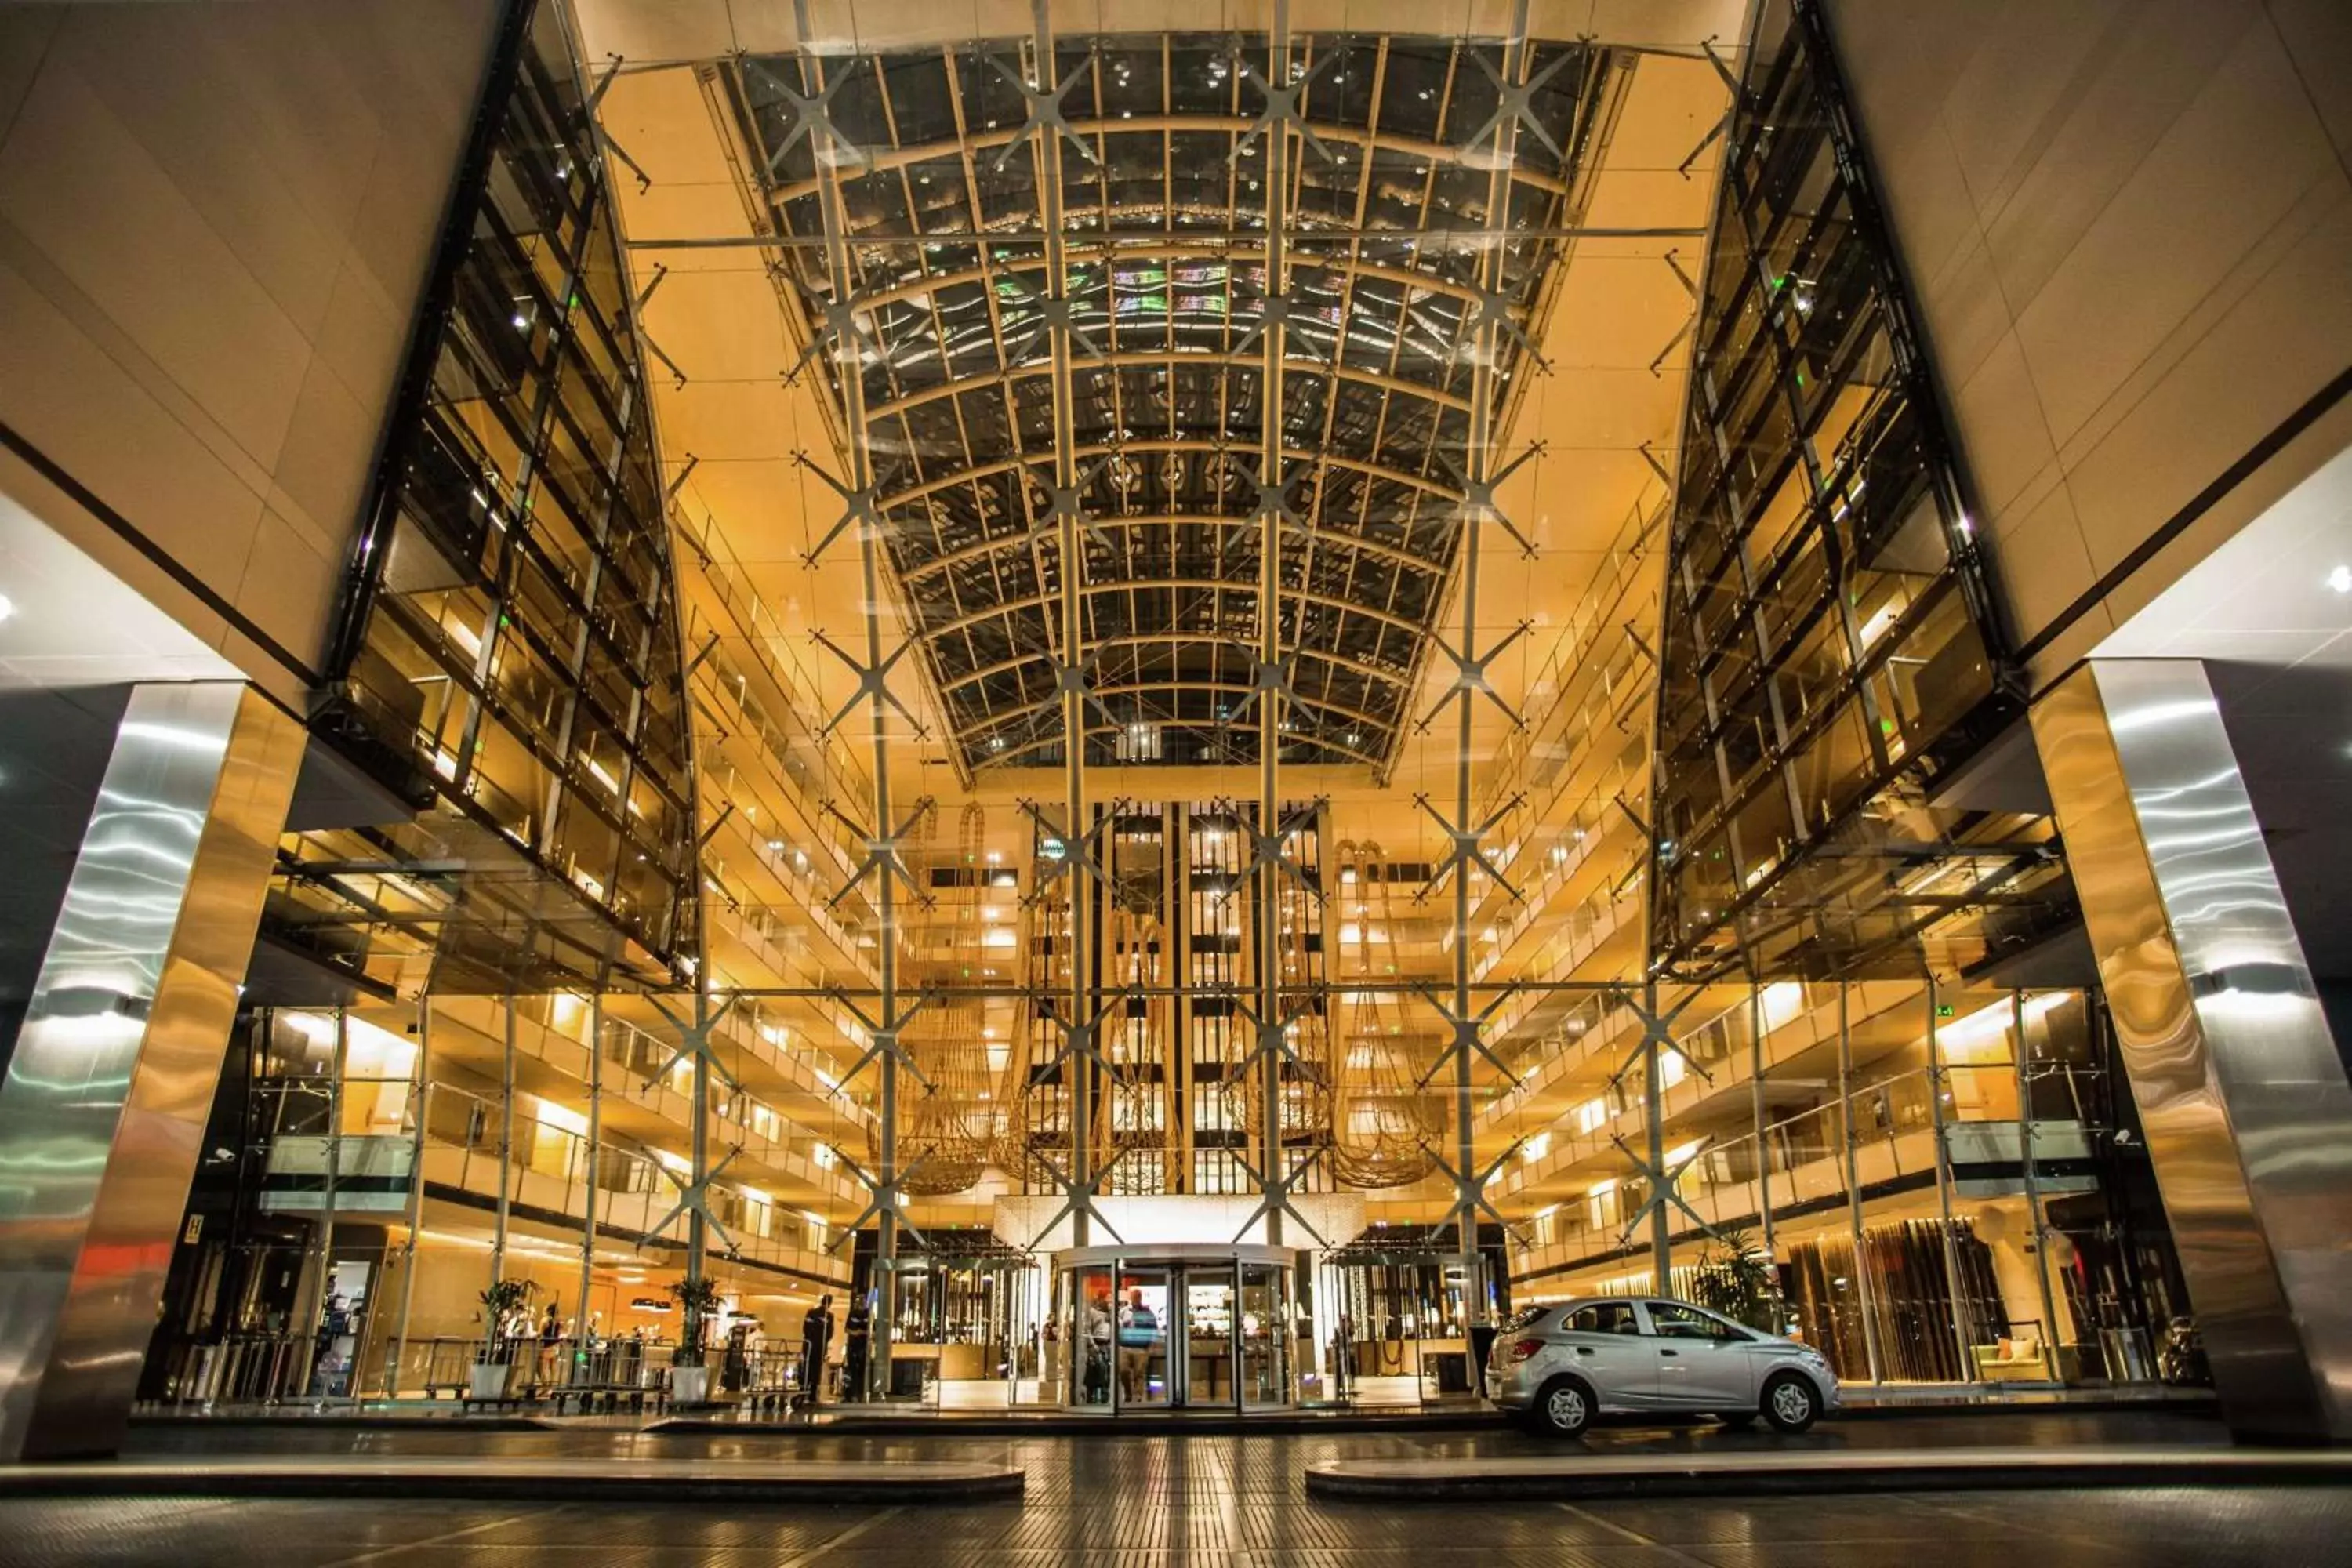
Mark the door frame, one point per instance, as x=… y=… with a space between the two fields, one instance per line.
x=1175 y=1261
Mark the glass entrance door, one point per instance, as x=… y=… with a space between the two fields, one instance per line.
x=1194 y=1327
x=1142 y=1317
x=1090 y=1312
x=1265 y=1335
x=1206 y=1378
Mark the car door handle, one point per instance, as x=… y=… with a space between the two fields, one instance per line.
x=1584 y=1350
x=1670 y=1352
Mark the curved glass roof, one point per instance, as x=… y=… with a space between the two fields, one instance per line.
x=943 y=164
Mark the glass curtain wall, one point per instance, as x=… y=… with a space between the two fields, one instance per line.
x=1830 y=649
x=1922 y=1169
x=509 y=653
x=382 y=1166
x=1931 y=1177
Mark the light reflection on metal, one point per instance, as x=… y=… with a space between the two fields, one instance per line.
x=111 y=1076
x=2239 y=1083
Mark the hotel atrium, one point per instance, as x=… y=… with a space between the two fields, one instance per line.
x=1335 y=674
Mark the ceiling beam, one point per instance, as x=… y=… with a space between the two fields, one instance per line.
x=915 y=572
x=1117 y=359
x=1422 y=483
x=1145 y=639
x=985 y=612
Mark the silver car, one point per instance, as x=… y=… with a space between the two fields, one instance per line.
x=1558 y=1367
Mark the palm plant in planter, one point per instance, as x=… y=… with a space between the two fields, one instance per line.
x=499 y=1303
x=1736 y=1278
x=698 y=1301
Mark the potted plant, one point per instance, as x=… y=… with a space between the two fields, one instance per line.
x=499 y=1303
x=1736 y=1278
x=689 y=1379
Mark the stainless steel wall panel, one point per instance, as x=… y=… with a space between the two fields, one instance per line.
x=2239 y=1083
x=112 y=1074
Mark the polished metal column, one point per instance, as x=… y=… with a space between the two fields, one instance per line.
x=419 y=1089
x=1864 y=1293
x=1963 y=1326
x=1756 y=1098
x=111 y=1080
x=322 y=1239
x=1654 y=1125
x=2239 y=1084
x=507 y=1179
x=588 y=1200
x=2033 y=1209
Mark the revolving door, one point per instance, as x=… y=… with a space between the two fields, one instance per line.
x=1155 y=1329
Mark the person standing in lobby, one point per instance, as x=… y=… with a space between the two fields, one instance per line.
x=816 y=1337
x=1138 y=1333
x=856 y=1346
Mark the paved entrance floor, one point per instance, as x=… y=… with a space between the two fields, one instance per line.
x=1122 y=1500
x=1462 y=1436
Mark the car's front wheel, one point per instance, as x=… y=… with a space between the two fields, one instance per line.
x=1564 y=1409
x=1791 y=1402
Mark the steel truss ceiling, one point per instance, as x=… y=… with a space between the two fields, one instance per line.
x=954 y=326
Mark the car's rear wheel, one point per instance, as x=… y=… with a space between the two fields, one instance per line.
x=1791 y=1402
x=1564 y=1409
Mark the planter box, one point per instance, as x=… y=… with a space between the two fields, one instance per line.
x=689 y=1385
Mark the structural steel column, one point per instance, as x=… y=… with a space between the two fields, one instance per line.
x=831 y=151
x=2240 y=1086
x=1267 y=878
x=884 y=1319
x=110 y=1079
x=1478 y=469
x=1079 y=1079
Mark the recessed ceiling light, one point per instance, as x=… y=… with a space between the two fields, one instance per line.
x=2341 y=579
x=7 y=606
